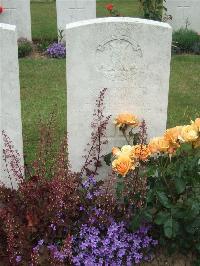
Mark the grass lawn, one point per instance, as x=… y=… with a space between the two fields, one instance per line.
x=184 y=96
x=43 y=15
x=43 y=90
x=43 y=20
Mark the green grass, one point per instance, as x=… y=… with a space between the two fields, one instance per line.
x=128 y=8
x=43 y=90
x=43 y=15
x=43 y=21
x=184 y=96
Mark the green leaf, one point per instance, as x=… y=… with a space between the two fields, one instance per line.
x=180 y=185
x=168 y=228
x=161 y=217
x=197 y=246
x=163 y=199
x=193 y=227
x=147 y=214
x=107 y=158
x=136 y=222
x=171 y=228
x=119 y=189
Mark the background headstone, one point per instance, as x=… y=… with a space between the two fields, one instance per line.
x=17 y=12
x=184 y=13
x=10 y=106
x=74 y=10
x=130 y=57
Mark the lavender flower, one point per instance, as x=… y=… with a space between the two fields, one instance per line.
x=53 y=226
x=57 y=254
x=56 y=50
x=113 y=245
x=40 y=242
x=18 y=259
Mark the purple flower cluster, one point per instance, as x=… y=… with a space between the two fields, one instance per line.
x=37 y=247
x=59 y=255
x=89 y=185
x=97 y=243
x=89 y=182
x=111 y=246
x=56 y=50
x=18 y=259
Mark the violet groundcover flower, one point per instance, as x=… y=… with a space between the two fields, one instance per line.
x=56 y=50
x=18 y=259
x=113 y=245
x=96 y=243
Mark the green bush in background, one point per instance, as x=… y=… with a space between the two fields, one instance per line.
x=153 y=9
x=25 y=47
x=186 y=40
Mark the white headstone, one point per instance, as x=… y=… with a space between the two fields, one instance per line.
x=184 y=13
x=130 y=57
x=17 y=12
x=10 y=107
x=74 y=10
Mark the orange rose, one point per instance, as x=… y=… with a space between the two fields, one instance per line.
x=141 y=152
x=196 y=144
x=159 y=144
x=126 y=150
x=189 y=133
x=173 y=135
x=122 y=165
x=126 y=119
x=197 y=123
x=116 y=151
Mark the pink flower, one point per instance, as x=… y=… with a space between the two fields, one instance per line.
x=1 y=9
x=109 y=7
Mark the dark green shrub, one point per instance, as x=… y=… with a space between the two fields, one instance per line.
x=25 y=47
x=173 y=201
x=196 y=47
x=153 y=9
x=186 y=40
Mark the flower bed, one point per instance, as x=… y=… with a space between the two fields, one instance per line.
x=151 y=200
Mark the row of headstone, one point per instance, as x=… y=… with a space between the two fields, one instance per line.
x=10 y=105
x=130 y=57
x=17 y=12
x=184 y=14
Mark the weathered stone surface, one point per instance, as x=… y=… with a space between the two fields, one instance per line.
x=184 y=13
x=10 y=107
x=74 y=10
x=130 y=57
x=17 y=12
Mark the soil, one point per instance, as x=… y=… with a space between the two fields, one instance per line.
x=36 y=54
x=175 y=260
